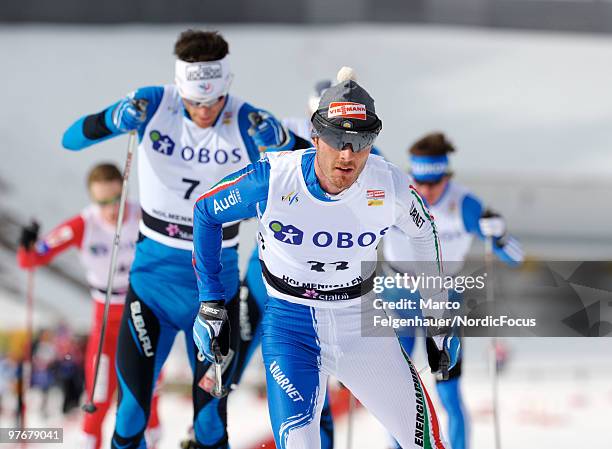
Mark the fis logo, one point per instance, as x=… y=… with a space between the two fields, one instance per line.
x=290 y=198
x=162 y=144
x=287 y=233
x=230 y=200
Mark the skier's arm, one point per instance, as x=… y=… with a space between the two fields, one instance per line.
x=64 y=236
x=261 y=131
x=412 y=217
x=113 y=120
x=505 y=246
x=248 y=187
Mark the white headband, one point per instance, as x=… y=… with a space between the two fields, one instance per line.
x=203 y=81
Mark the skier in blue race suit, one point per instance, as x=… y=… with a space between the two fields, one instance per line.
x=190 y=134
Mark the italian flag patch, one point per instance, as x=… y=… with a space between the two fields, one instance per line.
x=225 y=183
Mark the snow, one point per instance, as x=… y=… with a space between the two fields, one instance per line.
x=563 y=404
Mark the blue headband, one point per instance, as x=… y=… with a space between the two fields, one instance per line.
x=428 y=168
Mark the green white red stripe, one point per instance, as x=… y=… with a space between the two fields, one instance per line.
x=435 y=426
x=431 y=438
x=429 y=217
x=224 y=184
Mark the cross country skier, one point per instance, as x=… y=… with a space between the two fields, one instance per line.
x=460 y=216
x=253 y=291
x=191 y=133
x=92 y=233
x=312 y=252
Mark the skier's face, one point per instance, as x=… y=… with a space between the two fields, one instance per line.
x=337 y=170
x=431 y=191
x=204 y=116
x=106 y=194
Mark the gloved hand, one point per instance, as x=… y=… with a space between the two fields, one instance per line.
x=492 y=224
x=29 y=235
x=442 y=353
x=268 y=133
x=211 y=331
x=129 y=113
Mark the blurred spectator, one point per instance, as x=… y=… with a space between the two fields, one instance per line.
x=43 y=356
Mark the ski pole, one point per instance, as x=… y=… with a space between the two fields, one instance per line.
x=219 y=390
x=493 y=344
x=90 y=407
x=351 y=408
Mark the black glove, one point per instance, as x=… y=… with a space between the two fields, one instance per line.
x=211 y=331
x=438 y=360
x=442 y=354
x=29 y=235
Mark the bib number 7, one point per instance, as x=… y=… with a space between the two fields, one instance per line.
x=193 y=183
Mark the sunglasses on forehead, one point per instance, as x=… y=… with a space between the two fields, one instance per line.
x=203 y=103
x=109 y=201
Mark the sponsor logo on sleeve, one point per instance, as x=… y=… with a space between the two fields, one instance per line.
x=416 y=216
x=59 y=237
x=231 y=199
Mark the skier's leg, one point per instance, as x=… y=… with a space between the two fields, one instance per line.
x=449 y=392
x=253 y=298
x=210 y=423
x=327 y=424
x=107 y=379
x=153 y=434
x=296 y=385
x=144 y=343
x=380 y=374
